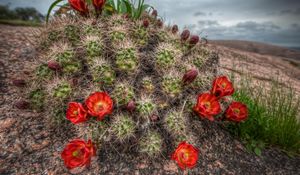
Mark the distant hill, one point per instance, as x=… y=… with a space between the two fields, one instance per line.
x=260 y=48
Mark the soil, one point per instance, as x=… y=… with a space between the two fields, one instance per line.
x=30 y=146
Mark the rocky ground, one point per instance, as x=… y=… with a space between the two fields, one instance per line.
x=29 y=145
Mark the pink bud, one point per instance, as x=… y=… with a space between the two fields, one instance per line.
x=160 y=23
x=154 y=13
x=175 y=29
x=53 y=65
x=131 y=106
x=19 y=83
x=185 y=35
x=146 y=23
x=154 y=118
x=22 y=104
x=190 y=76
x=194 y=39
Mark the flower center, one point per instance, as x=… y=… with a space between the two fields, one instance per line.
x=236 y=111
x=223 y=85
x=207 y=105
x=76 y=112
x=99 y=106
x=75 y=153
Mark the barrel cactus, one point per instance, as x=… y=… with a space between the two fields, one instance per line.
x=151 y=74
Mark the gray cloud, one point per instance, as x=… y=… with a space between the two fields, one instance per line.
x=273 y=21
x=200 y=14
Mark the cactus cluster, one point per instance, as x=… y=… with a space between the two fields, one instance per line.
x=140 y=65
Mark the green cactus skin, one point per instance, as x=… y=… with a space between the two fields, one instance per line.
x=90 y=30
x=151 y=144
x=141 y=35
x=175 y=123
x=104 y=74
x=53 y=35
x=37 y=98
x=145 y=108
x=59 y=115
x=122 y=94
x=69 y=64
x=72 y=33
x=126 y=60
x=171 y=86
x=118 y=36
x=123 y=127
x=94 y=48
x=43 y=71
x=165 y=58
x=147 y=85
x=62 y=91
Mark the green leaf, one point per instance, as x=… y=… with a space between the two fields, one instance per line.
x=129 y=7
x=51 y=8
x=257 y=151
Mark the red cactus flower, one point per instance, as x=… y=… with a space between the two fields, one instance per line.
x=76 y=113
x=19 y=82
x=80 y=6
x=190 y=76
x=78 y=153
x=99 y=104
x=236 y=112
x=99 y=4
x=185 y=35
x=175 y=29
x=154 y=13
x=185 y=155
x=207 y=106
x=146 y=23
x=194 y=39
x=222 y=87
x=54 y=65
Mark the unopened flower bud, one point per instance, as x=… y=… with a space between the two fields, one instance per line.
x=190 y=76
x=185 y=35
x=22 y=104
x=154 y=13
x=53 y=65
x=154 y=118
x=19 y=83
x=131 y=106
x=194 y=39
x=175 y=29
x=160 y=23
x=146 y=23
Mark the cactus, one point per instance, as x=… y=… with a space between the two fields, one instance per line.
x=72 y=34
x=171 y=85
x=145 y=67
x=147 y=85
x=146 y=107
x=37 y=98
x=43 y=72
x=62 y=91
x=93 y=46
x=122 y=94
x=123 y=127
x=151 y=144
x=126 y=60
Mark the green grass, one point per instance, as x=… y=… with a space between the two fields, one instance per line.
x=272 y=118
x=19 y=23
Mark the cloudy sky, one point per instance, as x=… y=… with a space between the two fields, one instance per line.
x=270 y=21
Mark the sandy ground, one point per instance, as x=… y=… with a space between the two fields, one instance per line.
x=30 y=146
